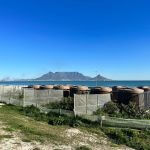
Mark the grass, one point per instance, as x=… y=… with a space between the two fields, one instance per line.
x=5 y=137
x=34 y=127
x=137 y=139
x=83 y=148
x=67 y=103
x=31 y=129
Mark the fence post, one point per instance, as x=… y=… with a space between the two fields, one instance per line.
x=97 y=101
x=74 y=113
x=74 y=99
x=23 y=97
x=60 y=111
x=101 y=123
x=86 y=104
x=101 y=120
x=36 y=98
x=10 y=98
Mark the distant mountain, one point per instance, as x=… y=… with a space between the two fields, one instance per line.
x=70 y=76
x=100 y=78
x=6 y=79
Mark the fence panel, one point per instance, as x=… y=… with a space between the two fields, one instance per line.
x=11 y=95
x=41 y=97
x=88 y=103
x=147 y=100
x=59 y=111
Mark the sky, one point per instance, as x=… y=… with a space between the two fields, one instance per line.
x=107 y=37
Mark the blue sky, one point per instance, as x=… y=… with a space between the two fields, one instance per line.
x=110 y=37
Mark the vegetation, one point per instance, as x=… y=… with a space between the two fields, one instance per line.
x=137 y=139
x=15 y=121
x=113 y=109
x=24 y=121
x=67 y=103
x=55 y=118
x=83 y=148
x=13 y=116
x=34 y=112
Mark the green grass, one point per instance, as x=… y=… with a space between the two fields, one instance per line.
x=30 y=128
x=137 y=139
x=34 y=127
x=83 y=148
x=67 y=103
x=5 y=137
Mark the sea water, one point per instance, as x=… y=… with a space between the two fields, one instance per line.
x=86 y=83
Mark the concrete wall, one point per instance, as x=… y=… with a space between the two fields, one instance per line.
x=146 y=101
x=24 y=96
x=88 y=103
x=41 y=97
x=11 y=95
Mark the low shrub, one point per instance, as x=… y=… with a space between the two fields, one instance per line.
x=67 y=103
x=110 y=109
x=34 y=112
x=83 y=148
x=54 y=118
x=113 y=109
x=136 y=139
x=66 y=120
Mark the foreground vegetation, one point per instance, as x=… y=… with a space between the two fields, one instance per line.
x=12 y=117
x=137 y=139
x=120 y=110
x=67 y=103
x=49 y=127
x=31 y=125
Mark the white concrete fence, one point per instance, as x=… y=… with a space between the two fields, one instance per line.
x=84 y=104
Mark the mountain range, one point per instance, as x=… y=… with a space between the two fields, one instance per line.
x=70 y=76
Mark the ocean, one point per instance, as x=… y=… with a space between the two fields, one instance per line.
x=86 y=83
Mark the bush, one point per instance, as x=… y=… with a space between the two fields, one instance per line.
x=54 y=118
x=132 y=111
x=110 y=109
x=34 y=112
x=113 y=109
x=100 y=112
x=57 y=121
x=66 y=103
x=31 y=110
x=133 y=138
x=83 y=148
x=65 y=120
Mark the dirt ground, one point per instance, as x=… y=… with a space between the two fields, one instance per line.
x=12 y=141
x=16 y=131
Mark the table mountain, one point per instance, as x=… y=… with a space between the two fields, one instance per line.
x=70 y=76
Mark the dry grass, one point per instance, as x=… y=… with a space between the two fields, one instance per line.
x=26 y=131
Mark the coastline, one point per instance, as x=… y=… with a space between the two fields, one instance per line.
x=86 y=83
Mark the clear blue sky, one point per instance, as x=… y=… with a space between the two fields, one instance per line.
x=110 y=37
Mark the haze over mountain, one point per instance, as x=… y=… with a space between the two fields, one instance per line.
x=70 y=76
